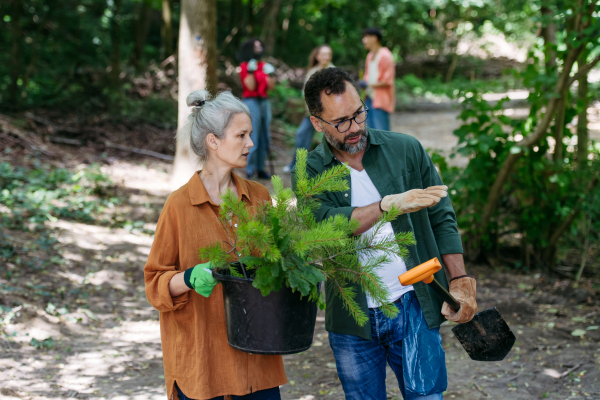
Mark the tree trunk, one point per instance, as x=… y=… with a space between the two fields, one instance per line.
x=115 y=39
x=141 y=25
x=453 y=64
x=167 y=29
x=559 y=127
x=250 y=10
x=269 y=31
x=328 y=24
x=15 y=51
x=582 y=120
x=286 y=22
x=197 y=70
x=549 y=35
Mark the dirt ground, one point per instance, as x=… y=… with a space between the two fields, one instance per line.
x=106 y=345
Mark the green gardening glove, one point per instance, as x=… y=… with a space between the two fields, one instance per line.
x=200 y=279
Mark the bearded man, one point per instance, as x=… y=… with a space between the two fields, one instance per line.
x=387 y=169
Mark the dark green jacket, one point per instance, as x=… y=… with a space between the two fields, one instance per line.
x=395 y=163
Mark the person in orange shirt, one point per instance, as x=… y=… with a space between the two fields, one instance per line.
x=198 y=361
x=378 y=80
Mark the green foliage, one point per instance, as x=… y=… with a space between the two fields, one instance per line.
x=46 y=344
x=541 y=193
x=409 y=86
x=61 y=52
x=29 y=197
x=282 y=243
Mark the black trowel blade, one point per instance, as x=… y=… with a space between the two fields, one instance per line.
x=486 y=337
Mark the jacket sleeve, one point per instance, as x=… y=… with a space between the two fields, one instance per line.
x=163 y=262
x=441 y=216
x=387 y=69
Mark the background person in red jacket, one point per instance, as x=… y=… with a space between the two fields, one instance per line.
x=378 y=80
x=257 y=79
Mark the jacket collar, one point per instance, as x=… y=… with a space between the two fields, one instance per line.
x=199 y=195
x=324 y=150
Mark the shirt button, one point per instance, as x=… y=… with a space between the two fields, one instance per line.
x=235 y=225
x=346 y=195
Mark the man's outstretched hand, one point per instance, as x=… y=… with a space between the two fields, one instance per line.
x=415 y=199
x=463 y=289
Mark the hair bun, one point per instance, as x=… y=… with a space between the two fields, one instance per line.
x=197 y=98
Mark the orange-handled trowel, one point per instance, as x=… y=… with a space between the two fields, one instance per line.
x=486 y=337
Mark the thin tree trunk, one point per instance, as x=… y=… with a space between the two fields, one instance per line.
x=167 y=29
x=197 y=70
x=286 y=22
x=328 y=24
x=250 y=11
x=269 y=32
x=582 y=120
x=115 y=39
x=141 y=25
x=452 y=66
x=558 y=232
x=559 y=128
x=15 y=51
x=549 y=35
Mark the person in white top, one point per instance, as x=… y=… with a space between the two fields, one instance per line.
x=319 y=58
x=365 y=193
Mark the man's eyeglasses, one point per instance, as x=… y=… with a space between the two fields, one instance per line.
x=347 y=123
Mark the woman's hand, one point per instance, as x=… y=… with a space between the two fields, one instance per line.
x=200 y=279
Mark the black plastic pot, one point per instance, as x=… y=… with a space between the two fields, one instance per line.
x=280 y=323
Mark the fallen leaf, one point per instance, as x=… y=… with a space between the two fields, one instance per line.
x=552 y=373
x=578 y=332
x=578 y=319
x=592 y=328
x=330 y=365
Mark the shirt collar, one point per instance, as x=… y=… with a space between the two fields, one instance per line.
x=327 y=155
x=199 y=195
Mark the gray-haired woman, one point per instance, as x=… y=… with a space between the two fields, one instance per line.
x=199 y=364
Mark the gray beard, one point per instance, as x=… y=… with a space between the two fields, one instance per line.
x=348 y=148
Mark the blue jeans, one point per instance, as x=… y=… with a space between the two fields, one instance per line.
x=260 y=112
x=267 y=394
x=413 y=351
x=304 y=137
x=378 y=118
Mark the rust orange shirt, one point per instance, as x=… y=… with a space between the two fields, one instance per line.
x=192 y=328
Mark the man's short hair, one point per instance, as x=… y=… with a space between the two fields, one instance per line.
x=373 y=32
x=329 y=80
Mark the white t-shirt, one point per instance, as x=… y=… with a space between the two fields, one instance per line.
x=363 y=194
x=373 y=75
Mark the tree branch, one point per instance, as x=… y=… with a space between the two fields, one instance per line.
x=528 y=141
x=584 y=70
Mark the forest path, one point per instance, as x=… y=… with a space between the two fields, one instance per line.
x=108 y=345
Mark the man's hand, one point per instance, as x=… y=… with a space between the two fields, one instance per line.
x=415 y=199
x=463 y=289
x=200 y=279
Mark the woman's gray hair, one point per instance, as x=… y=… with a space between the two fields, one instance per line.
x=209 y=115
